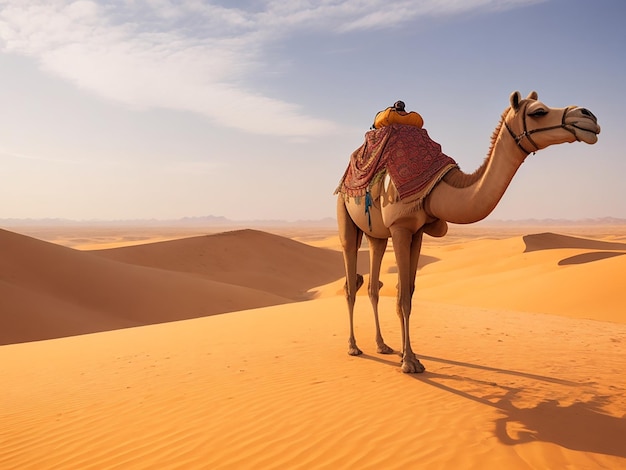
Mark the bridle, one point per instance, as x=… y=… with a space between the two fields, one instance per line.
x=527 y=134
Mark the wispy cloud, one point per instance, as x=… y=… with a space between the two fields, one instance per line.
x=193 y=55
x=5 y=154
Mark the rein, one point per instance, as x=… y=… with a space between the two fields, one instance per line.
x=526 y=133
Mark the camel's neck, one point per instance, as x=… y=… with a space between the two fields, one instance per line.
x=466 y=198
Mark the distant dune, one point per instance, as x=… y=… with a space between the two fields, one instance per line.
x=49 y=291
x=554 y=241
x=545 y=273
x=248 y=258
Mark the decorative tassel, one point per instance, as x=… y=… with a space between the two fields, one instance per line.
x=368 y=204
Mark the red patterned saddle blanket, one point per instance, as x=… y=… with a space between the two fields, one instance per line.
x=411 y=158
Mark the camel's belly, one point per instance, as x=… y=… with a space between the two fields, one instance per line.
x=385 y=211
x=370 y=223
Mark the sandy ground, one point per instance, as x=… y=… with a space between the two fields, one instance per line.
x=152 y=348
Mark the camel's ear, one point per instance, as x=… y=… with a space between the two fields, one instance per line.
x=532 y=95
x=515 y=99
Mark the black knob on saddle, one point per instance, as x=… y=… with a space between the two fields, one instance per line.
x=399 y=105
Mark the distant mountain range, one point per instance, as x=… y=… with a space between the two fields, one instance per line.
x=219 y=221
x=556 y=222
x=205 y=221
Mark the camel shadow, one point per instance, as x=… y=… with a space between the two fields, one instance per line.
x=580 y=426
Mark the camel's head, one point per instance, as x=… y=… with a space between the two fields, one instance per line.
x=535 y=126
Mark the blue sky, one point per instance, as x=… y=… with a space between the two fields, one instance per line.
x=249 y=110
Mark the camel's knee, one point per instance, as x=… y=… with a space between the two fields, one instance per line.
x=359 y=283
x=403 y=308
x=412 y=290
x=374 y=290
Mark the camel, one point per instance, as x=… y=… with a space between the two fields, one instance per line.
x=526 y=126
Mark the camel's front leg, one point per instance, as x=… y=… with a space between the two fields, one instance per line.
x=406 y=247
x=377 y=251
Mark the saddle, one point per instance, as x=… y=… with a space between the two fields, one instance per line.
x=414 y=162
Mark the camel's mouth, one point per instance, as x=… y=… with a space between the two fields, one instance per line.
x=586 y=131
x=584 y=125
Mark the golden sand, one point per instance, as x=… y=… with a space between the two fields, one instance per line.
x=229 y=351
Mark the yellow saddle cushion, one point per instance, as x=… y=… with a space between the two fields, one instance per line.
x=391 y=116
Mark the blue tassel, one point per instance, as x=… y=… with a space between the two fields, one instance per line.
x=368 y=204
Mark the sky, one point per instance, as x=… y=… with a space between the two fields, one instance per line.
x=249 y=110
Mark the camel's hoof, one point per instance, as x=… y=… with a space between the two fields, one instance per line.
x=412 y=367
x=384 y=349
x=354 y=351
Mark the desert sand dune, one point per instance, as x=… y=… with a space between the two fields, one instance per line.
x=502 y=274
x=248 y=258
x=553 y=241
x=49 y=291
x=524 y=353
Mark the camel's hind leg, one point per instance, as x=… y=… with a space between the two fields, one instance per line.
x=350 y=236
x=377 y=251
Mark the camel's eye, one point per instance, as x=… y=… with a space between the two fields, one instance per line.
x=538 y=113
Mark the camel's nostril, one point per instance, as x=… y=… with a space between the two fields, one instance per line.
x=586 y=112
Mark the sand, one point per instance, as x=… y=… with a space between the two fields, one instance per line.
x=228 y=350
